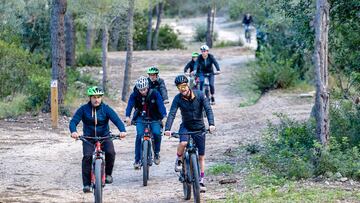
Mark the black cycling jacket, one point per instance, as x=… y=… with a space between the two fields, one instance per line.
x=206 y=65
x=191 y=111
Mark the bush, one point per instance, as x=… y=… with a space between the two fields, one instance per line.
x=13 y=107
x=221 y=168
x=223 y=44
x=168 y=39
x=200 y=33
x=272 y=73
x=291 y=151
x=89 y=58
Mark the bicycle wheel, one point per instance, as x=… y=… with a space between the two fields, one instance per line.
x=186 y=184
x=145 y=163
x=195 y=172
x=98 y=181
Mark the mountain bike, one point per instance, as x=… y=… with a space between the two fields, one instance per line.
x=247 y=34
x=98 y=164
x=190 y=173
x=147 y=149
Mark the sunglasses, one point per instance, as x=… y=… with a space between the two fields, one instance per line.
x=182 y=87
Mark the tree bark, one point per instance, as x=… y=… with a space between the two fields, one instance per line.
x=159 y=11
x=208 y=28
x=213 y=13
x=105 y=42
x=89 y=37
x=115 y=34
x=149 y=29
x=70 y=39
x=129 y=51
x=321 y=71
x=58 y=46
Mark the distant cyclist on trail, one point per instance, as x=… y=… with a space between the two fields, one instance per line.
x=204 y=68
x=189 y=70
x=95 y=116
x=247 y=20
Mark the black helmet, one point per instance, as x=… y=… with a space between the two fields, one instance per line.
x=181 y=79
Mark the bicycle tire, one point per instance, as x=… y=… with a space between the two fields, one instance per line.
x=186 y=185
x=98 y=181
x=145 y=164
x=195 y=181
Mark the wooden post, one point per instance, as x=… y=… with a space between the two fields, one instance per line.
x=54 y=104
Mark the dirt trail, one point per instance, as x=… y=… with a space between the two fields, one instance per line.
x=38 y=164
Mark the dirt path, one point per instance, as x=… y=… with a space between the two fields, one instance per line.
x=38 y=164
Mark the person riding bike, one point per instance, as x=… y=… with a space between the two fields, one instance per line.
x=95 y=116
x=247 y=20
x=204 y=65
x=148 y=104
x=155 y=82
x=191 y=104
x=190 y=66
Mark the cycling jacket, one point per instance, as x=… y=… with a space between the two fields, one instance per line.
x=206 y=65
x=191 y=111
x=104 y=113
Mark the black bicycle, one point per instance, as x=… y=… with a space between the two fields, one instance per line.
x=147 y=149
x=190 y=173
x=98 y=164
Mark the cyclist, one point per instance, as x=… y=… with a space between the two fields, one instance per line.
x=95 y=116
x=155 y=82
x=191 y=104
x=247 y=20
x=204 y=65
x=148 y=104
x=190 y=66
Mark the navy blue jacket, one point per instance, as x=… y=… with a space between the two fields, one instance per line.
x=159 y=85
x=152 y=104
x=206 y=65
x=191 y=111
x=104 y=113
x=190 y=65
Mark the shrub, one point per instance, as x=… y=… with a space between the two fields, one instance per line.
x=291 y=151
x=221 y=168
x=89 y=58
x=168 y=39
x=15 y=106
x=200 y=33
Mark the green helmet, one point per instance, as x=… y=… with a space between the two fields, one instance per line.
x=95 y=91
x=153 y=70
x=194 y=54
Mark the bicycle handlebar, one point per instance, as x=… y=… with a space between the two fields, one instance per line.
x=177 y=134
x=110 y=136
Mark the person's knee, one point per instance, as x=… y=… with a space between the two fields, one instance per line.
x=183 y=143
x=201 y=157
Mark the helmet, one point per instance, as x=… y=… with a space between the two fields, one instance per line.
x=153 y=70
x=194 y=54
x=95 y=91
x=204 y=48
x=142 y=82
x=181 y=79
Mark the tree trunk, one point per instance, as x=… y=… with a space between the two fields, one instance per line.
x=159 y=11
x=70 y=39
x=129 y=50
x=321 y=71
x=105 y=42
x=89 y=37
x=213 y=12
x=149 y=29
x=58 y=46
x=208 y=28
x=115 y=34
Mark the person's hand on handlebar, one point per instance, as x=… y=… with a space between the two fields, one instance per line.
x=167 y=133
x=127 y=121
x=212 y=129
x=75 y=135
x=217 y=72
x=122 y=135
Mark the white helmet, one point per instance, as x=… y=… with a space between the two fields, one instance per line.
x=142 y=82
x=204 y=48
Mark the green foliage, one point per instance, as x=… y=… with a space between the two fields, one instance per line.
x=270 y=72
x=168 y=39
x=221 y=169
x=89 y=58
x=200 y=33
x=13 y=107
x=223 y=44
x=292 y=151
